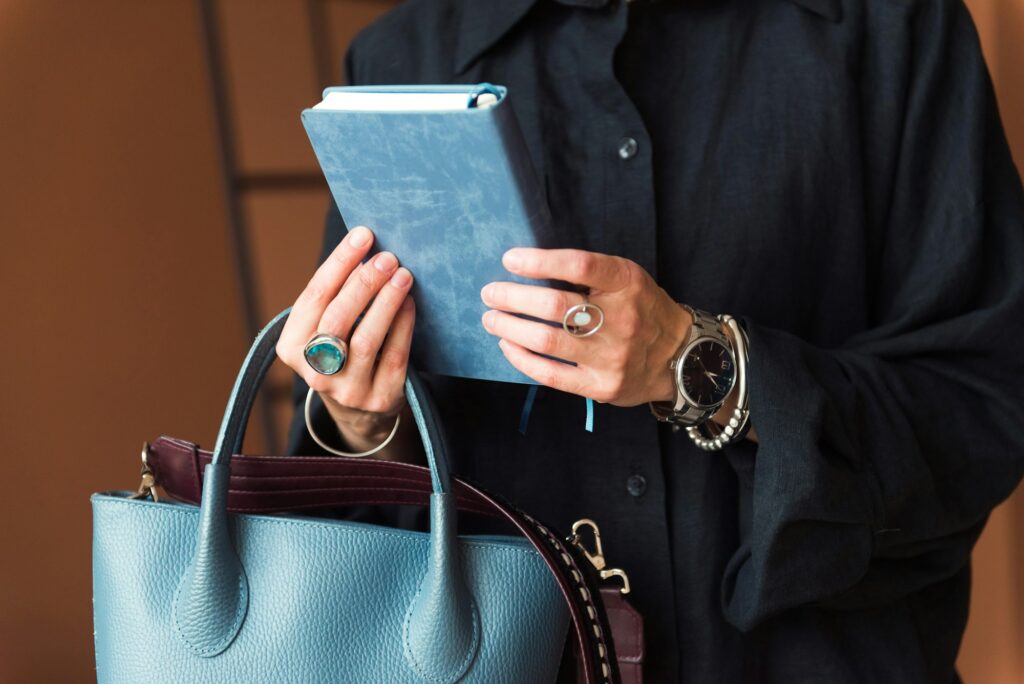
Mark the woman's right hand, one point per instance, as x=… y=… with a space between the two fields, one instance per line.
x=367 y=395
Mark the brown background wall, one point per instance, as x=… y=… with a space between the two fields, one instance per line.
x=123 y=314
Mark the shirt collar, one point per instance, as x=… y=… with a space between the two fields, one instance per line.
x=482 y=23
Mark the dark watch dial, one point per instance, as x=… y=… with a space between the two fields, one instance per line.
x=708 y=373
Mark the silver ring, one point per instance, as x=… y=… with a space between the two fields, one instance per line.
x=579 y=316
x=326 y=354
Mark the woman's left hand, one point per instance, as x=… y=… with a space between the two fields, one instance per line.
x=625 y=363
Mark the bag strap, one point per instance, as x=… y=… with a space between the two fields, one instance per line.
x=267 y=484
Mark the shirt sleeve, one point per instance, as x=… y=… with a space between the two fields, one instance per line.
x=879 y=461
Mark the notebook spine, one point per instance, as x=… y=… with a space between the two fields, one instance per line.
x=525 y=178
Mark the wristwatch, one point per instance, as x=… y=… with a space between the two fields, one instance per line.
x=704 y=369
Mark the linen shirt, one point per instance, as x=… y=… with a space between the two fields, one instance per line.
x=833 y=173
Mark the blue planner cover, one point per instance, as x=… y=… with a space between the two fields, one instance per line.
x=448 y=192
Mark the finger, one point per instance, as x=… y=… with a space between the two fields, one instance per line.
x=540 y=302
x=547 y=372
x=538 y=337
x=366 y=340
x=389 y=380
x=361 y=287
x=323 y=287
x=600 y=271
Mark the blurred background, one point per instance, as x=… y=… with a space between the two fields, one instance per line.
x=158 y=202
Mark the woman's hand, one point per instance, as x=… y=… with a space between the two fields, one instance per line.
x=366 y=396
x=626 y=363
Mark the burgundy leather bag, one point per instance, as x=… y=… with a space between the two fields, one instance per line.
x=275 y=484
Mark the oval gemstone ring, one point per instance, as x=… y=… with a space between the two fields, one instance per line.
x=579 y=320
x=326 y=354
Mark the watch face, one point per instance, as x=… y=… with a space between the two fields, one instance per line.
x=708 y=373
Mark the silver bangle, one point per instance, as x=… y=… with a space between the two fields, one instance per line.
x=336 y=452
x=708 y=435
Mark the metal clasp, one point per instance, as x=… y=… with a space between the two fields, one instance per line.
x=596 y=557
x=148 y=485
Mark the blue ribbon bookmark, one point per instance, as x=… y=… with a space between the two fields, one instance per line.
x=524 y=418
x=531 y=396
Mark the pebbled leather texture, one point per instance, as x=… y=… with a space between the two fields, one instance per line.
x=441 y=632
x=448 y=192
x=291 y=483
x=204 y=596
x=212 y=597
x=327 y=600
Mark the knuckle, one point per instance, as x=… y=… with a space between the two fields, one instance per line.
x=548 y=376
x=582 y=265
x=340 y=256
x=630 y=274
x=556 y=306
x=547 y=340
x=318 y=383
x=331 y=322
x=394 y=360
x=379 y=405
x=362 y=346
x=346 y=396
x=314 y=293
x=367 y=278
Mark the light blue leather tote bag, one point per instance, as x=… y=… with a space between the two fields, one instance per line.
x=194 y=594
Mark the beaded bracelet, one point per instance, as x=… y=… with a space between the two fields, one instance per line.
x=710 y=436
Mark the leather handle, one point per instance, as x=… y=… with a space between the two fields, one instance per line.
x=254 y=369
x=212 y=597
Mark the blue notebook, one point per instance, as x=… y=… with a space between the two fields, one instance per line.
x=442 y=176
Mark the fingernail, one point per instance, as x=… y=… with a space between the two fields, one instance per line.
x=385 y=262
x=488 y=319
x=487 y=292
x=512 y=259
x=359 y=236
x=402 y=278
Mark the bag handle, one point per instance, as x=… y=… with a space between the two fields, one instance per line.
x=212 y=597
x=243 y=396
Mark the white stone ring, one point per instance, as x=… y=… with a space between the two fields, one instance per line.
x=579 y=320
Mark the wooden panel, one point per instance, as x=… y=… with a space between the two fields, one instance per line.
x=119 y=295
x=344 y=20
x=993 y=646
x=271 y=78
x=994 y=638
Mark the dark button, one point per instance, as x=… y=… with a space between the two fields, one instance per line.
x=627 y=148
x=636 y=485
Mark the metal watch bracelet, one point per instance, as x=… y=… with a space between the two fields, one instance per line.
x=710 y=436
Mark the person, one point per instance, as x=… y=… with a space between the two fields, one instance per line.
x=831 y=173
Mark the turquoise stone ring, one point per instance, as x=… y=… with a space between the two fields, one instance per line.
x=325 y=354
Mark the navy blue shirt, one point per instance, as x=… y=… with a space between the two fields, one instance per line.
x=834 y=173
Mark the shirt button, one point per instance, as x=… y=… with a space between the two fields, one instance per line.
x=636 y=485
x=628 y=148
